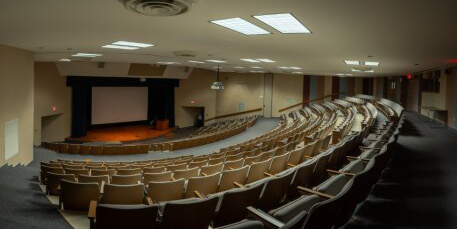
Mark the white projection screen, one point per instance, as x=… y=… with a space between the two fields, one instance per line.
x=119 y=104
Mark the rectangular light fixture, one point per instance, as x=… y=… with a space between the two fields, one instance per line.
x=251 y=60
x=119 y=47
x=217 y=61
x=132 y=44
x=256 y=67
x=369 y=71
x=284 y=23
x=340 y=74
x=297 y=72
x=284 y=67
x=352 y=62
x=168 y=62
x=86 y=54
x=295 y=68
x=196 y=61
x=371 y=63
x=256 y=71
x=266 y=60
x=348 y=74
x=240 y=25
x=65 y=60
x=356 y=70
x=238 y=67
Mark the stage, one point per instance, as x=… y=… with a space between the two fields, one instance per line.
x=122 y=134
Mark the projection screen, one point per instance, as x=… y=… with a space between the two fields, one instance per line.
x=119 y=104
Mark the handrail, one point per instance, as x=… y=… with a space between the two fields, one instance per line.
x=234 y=114
x=309 y=101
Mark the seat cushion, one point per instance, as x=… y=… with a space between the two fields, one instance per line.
x=333 y=185
x=288 y=211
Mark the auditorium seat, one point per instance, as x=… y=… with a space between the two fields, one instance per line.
x=197 y=164
x=251 y=160
x=77 y=172
x=126 y=179
x=257 y=171
x=160 y=191
x=186 y=174
x=303 y=176
x=101 y=180
x=275 y=190
x=77 y=196
x=278 y=163
x=45 y=170
x=205 y=185
x=150 y=177
x=295 y=156
x=216 y=160
x=229 y=177
x=154 y=169
x=123 y=194
x=129 y=171
x=109 y=172
x=53 y=182
x=233 y=164
x=92 y=167
x=211 y=169
x=112 y=216
x=189 y=214
x=72 y=166
x=233 y=204
x=176 y=167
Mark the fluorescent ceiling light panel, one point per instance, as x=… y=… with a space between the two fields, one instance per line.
x=65 y=60
x=295 y=68
x=217 y=61
x=256 y=71
x=266 y=60
x=284 y=23
x=371 y=63
x=119 y=47
x=240 y=25
x=256 y=67
x=352 y=62
x=133 y=44
x=167 y=62
x=238 y=67
x=348 y=74
x=251 y=60
x=86 y=55
x=297 y=72
x=340 y=74
x=369 y=71
x=196 y=61
x=284 y=67
x=356 y=70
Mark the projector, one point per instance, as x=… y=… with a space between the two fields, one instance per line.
x=217 y=86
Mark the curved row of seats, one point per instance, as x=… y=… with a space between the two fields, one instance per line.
x=201 y=139
x=268 y=192
x=223 y=125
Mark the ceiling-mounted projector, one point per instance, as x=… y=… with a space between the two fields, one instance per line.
x=159 y=7
x=217 y=86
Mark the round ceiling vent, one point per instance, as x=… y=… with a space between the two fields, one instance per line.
x=159 y=7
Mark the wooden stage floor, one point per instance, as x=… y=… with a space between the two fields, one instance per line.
x=121 y=134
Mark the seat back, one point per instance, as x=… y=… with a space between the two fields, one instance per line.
x=234 y=203
x=77 y=196
x=279 y=163
x=197 y=164
x=159 y=169
x=160 y=191
x=321 y=166
x=123 y=194
x=256 y=171
x=53 y=182
x=186 y=174
x=275 y=190
x=303 y=176
x=253 y=159
x=46 y=169
x=230 y=176
x=206 y=185
x=126 y=216
x=129 y=171
x=296 y=155
x=96 y=172
x=94 y=179
x=211 y=169
x=233 y=164
x=309 y=149
x=156 y=177
x=191 y=214
x=176 y=167
x=126 y=179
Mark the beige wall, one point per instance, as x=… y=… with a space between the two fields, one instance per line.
x=358 y=85
x=327 y=87
x=431 y=99
x=51 y=91
x=16 y=100
x=286 y=88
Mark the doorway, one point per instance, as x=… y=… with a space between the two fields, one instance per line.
x=195 y=116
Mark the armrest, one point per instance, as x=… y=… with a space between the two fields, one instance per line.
x=173 y=179
x=204 y=174
x=340 y=172
x=308 y=157
x=310 y=191
x=352 y=158
x=149 y=201
x=199 y=194
x=238 y=185
x=264 y=218
x=92 y=209
x=230 y=168
x=366 y=148
x=268 y=174
x=290 y=165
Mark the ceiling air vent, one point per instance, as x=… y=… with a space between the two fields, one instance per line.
x=159 y=7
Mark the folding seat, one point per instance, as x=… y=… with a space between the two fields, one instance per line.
x=280 y=150
x=176 y=167
x=128 y=171
x=230 y=177
x=234 y=203
x=325 y=142
x=267 y=155
x=275 y=190
x=152 y=177
x=73 y=148
x=190 y=214
x=53 y=182
x=250 y=160
x=96 y=172
x=321 y=167
x=233 y=164
x=211 y=169
x=46 y=169
x=109 y=216
x=257 y=171
x=217 y=160
x=295 y=156
x=197 y=164
x=91 y=167
x=126 y=179
x=73 y=166
x=123 y=194
x=154 y=169
x=303 y=176
x=101 y=180
x=186 y=174
x=160 y=191
x=205 y=185
x=318 y=147
x=278 y=164
x=77 y=196
x=77 y=172
x=234 y=157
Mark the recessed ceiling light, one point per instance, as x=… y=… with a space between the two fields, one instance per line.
x=217 y=61
x=284 y=23
x=295 y=68
x=297 y=72
x=371 y=63
x=284 y=67
x=119 y=47
x=168 y=62
x=250 y=60
x=266 y=60
x=238 y=67
x=369 y=71
x=340 y=74
x=65 y=60
x=348 y=74
x=133 y=44
x=196 y=61
x=256 y=71
x=352 y=62
x=240 y=25
x=256 y=67
x=86 y=54
x=356 y=70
